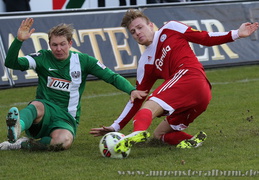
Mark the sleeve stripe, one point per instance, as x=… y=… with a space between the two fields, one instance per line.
x=32 y=62
x=217 y=34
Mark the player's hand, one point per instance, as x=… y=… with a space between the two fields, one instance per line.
x=246 y=29
x=101 y=131
x=136 y=94
x=25 y=31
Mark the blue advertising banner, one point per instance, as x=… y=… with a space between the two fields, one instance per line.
x=98 y=33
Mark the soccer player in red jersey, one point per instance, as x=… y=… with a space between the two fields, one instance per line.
x=185 y=92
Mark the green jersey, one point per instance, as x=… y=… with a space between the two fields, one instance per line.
x=63 y=82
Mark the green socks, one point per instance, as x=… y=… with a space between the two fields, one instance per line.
x=41 y=145
x=27 y=116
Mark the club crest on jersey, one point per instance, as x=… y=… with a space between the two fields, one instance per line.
x=163 y=37
x=75 y=74
x=58 y=84
x=35 y=54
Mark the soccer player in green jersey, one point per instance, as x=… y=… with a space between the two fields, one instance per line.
x=50 y=121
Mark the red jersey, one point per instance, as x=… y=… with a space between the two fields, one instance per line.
x=169 y=53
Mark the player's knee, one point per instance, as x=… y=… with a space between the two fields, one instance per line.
x=62 y=138
x=67 y=143
x=64 y=142
x=40 y=110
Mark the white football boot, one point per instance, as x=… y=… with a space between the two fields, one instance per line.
x=6 y=145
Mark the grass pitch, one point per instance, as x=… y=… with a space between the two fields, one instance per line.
x=230 y=151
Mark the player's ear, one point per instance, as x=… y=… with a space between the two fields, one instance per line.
x=70 y=43
x=151 y=25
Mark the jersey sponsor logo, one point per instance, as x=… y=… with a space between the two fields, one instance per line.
x=50 y=69
x=75 y=74
x=35 y=54
x=163 y=37
x=160 y=62
x=58 y=84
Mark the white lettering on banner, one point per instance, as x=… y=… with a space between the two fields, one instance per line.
x=159 y=62
x=58 y=84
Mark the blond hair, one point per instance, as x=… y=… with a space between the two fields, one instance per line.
x=132 y=14
x=62 y=30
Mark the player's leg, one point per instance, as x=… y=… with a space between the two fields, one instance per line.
x=184 y=99
x=59 y=139
x=62 y=137
x=55 y=131
x=181 y=121
x=152 y=108
x=194 y=142
x=165 y=133
x=19 y=121
x=144 y=116
x=202 y=96
x=42 y=128
x=142 y=121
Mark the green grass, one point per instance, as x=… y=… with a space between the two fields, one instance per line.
x=231 y=123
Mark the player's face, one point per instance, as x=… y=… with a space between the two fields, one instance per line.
x=60 y=47
x=142 y=31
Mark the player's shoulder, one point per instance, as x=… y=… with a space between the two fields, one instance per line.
x=82 y=56
x=174 y=22
x=174 y=25
x=85 y=58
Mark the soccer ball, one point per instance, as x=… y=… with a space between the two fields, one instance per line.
x=107 y=144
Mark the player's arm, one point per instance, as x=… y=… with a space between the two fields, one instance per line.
x=216 y=38
x=131 y=109
x=12 y=61
x=210 y=38
x=24 y=32
x=127 y=114
x=100 y=71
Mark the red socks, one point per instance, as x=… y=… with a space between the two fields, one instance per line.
x=175 y=137
x=142 y=120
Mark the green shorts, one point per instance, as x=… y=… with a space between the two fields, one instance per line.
x=54 y=118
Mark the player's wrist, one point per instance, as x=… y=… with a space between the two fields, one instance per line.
x=116 y=127
x=132 y=91
x=235 y=34
x=19 y=39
